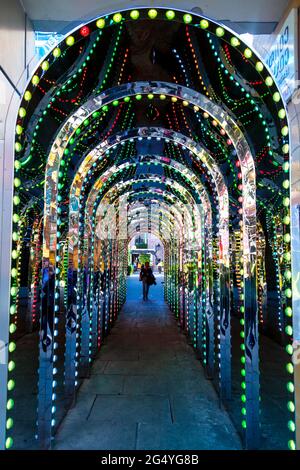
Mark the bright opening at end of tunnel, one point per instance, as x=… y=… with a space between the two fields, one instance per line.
x=152 y=274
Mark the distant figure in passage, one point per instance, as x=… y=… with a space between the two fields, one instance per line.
x=147 y=278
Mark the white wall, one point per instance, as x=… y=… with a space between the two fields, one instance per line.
x=13 y=52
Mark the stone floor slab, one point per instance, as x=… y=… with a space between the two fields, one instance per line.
x=93 y=435
x=191 y=436
x=131 y=408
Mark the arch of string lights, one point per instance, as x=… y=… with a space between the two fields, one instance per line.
x=211 y=179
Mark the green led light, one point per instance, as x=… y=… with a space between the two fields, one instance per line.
x=204 y=24
x=152 y=13
x=288 y=275
x=70 y=41
x=285 y=131
x=286 y=184
x=243 y=410
x=187 y=18
x=289 y=329
x=289 y=349
x=45 y=65
x=17 y=165
x=9 y=442
x=14 y=272
x=100 y=23
x=291 y=445
x=11 y=365
x=19 y=129
x=12 y=346
x=281 y=113
x=170 y=14
x=12 y=309
x=259 y=66
x=18 y=147
x=286 y=201
x=287 y=238
x=285 y=149
x=220 y=32
x=290 y=387
x=286 y=167
x=234 y=41
x=35 y=80
x=247 y=53
x=288 y=311
x=291 y=406
x=14 y=291
x=12 y=328
x=276 y=97
x=290 y=368
x=27 y=95
x=117 y=17
x=15 y=236
x=286 y=220
x=134 y=14
x=10 y=384
x=22 y=112
x=269 y=81
x=9 y=423
x=244 y=424
x=10 y=404
x=56 y=52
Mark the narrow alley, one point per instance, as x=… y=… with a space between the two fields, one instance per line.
x=147 y=390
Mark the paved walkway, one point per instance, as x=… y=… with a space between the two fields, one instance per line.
x=147 y=390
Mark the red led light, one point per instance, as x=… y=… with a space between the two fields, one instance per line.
x=85 y=31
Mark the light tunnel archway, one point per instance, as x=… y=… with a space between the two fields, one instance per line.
x=70 y=122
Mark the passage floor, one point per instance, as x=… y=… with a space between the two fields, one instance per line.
x=147 y=390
